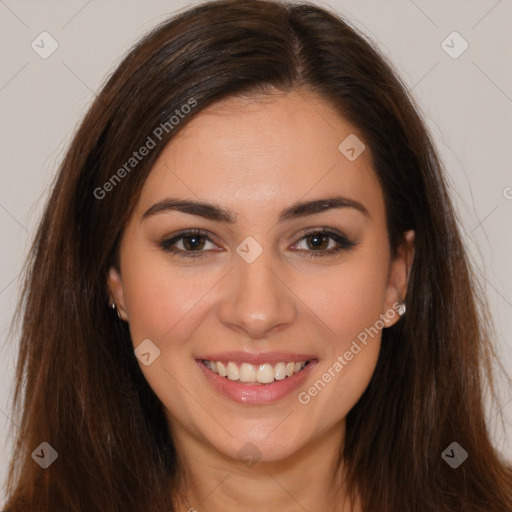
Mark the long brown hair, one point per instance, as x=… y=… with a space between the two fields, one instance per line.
x=79 y=386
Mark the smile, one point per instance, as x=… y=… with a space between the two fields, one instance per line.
x=255 y=374
x=257 y=379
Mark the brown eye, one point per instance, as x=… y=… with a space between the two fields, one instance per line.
x=191 y=242
x=318 y=241
x=324 y=243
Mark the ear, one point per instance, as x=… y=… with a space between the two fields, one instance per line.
x=398 y=278
x=116 y=291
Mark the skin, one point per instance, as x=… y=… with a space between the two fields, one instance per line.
x=256 y=156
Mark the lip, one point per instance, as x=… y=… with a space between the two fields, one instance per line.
x=257 y=394
x=255 y=358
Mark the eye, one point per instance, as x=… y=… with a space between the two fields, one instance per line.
x=318 y=243
x=192 y=243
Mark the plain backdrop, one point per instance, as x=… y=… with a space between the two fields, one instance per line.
x=466 y=101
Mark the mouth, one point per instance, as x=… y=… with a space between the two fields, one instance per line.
x=255 y=375
x=256 y=378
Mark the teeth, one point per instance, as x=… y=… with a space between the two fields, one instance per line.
x=265 y=373
x=232 y=371
x=279 y=371
x=221 y=369
x=252 y=374
x=247 y=373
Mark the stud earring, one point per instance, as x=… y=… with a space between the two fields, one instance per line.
x=402 y=309
x=114 y=307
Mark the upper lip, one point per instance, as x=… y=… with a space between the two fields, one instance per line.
x=256 y=358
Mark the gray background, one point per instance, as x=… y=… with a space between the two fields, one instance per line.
x=466 y=101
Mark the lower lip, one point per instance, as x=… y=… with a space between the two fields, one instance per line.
x=256 y=394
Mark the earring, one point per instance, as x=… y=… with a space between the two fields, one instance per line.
x=113 y=306
x=402 y=309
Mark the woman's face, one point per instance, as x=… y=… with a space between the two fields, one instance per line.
x=260 y=290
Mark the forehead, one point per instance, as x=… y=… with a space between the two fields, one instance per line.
x=262 y=152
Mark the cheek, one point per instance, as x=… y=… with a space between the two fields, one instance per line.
x=349 y=298
x=159 y=297
x=165 y=305
x=349 y=302
x=346 y=298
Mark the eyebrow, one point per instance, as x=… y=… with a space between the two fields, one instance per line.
x=220 y=214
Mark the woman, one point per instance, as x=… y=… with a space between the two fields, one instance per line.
x=248 y=290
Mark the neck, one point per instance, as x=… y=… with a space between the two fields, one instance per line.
x=310 y=479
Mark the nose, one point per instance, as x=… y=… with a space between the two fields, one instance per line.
x=257 y=299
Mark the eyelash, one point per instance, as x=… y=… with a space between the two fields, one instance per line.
x=343 y=243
